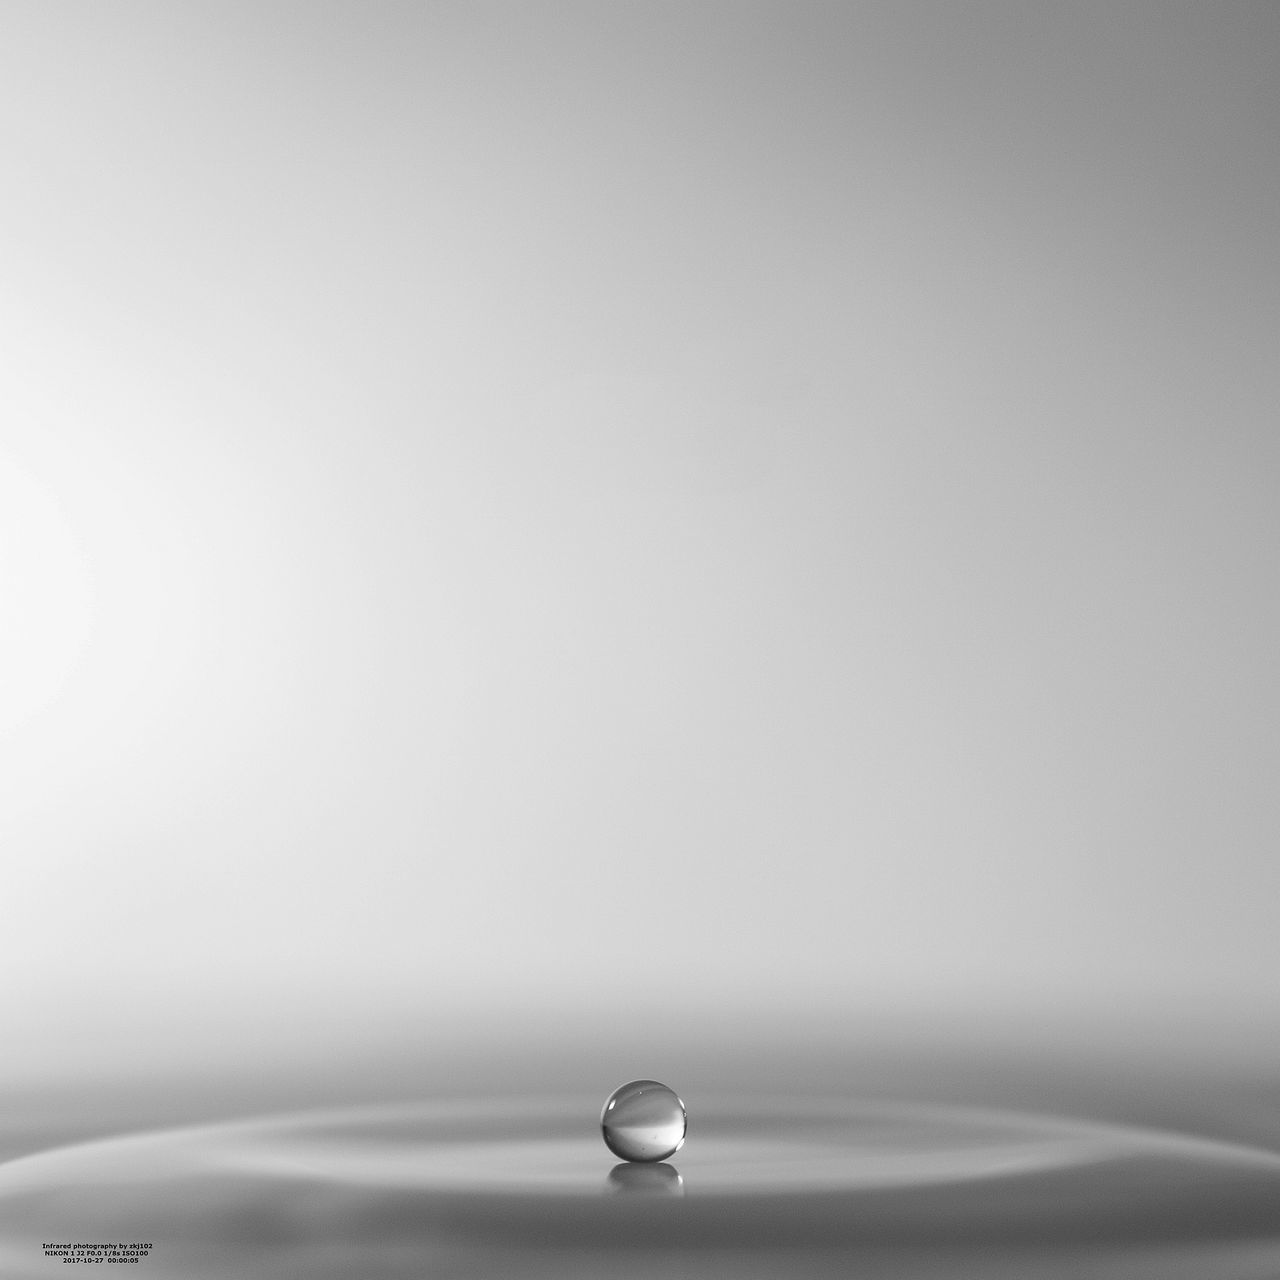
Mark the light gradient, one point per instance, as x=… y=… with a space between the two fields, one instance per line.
x=622 y=506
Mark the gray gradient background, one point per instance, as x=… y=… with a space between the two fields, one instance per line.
x=634 y=515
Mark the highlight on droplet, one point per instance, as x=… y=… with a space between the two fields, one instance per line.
x=643 y=1121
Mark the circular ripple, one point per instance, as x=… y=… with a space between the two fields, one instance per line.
x=482 y=1187
x=744 y=1149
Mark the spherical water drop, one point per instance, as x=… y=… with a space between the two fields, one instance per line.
x=643 y=1120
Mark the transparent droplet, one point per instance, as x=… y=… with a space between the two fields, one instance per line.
x=643 y=1120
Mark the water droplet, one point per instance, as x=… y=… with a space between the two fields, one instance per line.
x=643 y=1120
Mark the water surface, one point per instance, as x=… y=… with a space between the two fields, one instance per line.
x=767 y=1185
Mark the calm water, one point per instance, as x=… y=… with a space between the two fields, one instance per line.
x=778 y=1183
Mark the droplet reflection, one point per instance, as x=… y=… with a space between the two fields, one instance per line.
x=645 y=1179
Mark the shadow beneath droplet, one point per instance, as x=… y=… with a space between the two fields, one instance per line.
x=645 y=1179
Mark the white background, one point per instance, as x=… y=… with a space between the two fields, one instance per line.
x=612 y=507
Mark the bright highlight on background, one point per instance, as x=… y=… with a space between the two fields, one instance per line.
x=758 y=506
x=44 y=595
